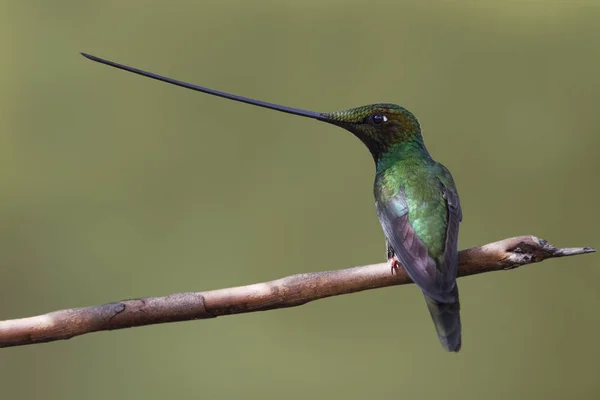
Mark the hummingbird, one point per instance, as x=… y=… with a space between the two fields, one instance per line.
x=416 y=198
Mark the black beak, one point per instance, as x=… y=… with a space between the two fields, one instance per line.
x=264 y=104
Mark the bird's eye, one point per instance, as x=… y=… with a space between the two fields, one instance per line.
x=377 y=119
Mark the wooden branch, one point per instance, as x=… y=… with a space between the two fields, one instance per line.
x=291 y=291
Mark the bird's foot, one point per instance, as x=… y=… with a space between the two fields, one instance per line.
x=394 y=265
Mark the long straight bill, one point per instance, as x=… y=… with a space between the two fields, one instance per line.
x=289 y=110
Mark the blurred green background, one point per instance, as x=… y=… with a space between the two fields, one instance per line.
x=114 y=186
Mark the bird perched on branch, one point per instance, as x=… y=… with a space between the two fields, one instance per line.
x=416 y=198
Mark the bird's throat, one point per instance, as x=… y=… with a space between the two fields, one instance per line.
x=393 y=153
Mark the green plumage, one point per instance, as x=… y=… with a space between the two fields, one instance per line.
x=415 y=174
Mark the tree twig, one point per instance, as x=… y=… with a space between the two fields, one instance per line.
x=290 y=291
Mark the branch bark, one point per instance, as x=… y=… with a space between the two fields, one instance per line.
x=290 y=291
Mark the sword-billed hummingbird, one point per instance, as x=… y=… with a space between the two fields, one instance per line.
x=416 y=198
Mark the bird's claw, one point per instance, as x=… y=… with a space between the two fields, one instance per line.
x=394 y=265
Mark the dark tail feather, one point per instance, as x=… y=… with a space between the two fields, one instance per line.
x=446 y=317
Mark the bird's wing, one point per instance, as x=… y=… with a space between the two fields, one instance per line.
x=408 y=248
x=450 y=270
x=437 y=281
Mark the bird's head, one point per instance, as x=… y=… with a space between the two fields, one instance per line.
x=378 y=126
